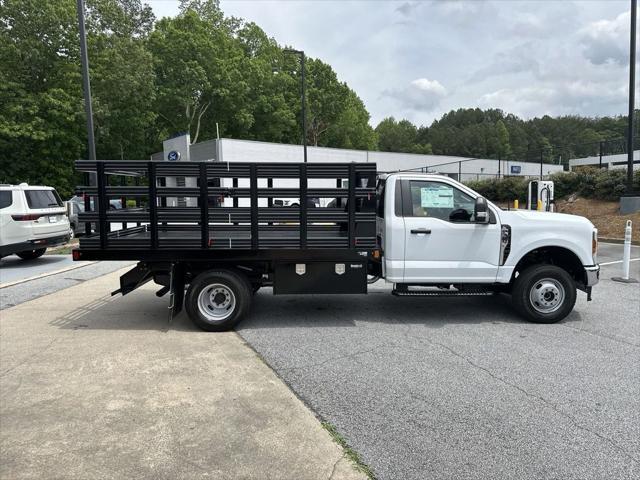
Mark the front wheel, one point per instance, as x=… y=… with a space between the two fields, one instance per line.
x=218 y=299
x=31 y=254
x=544 y=294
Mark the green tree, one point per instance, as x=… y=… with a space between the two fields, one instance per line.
x=503 y=145
x=351 y=129
x=40 y=93
x=395 y=136
x=122 y=78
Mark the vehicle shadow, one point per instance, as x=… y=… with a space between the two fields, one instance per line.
x=140 y=310
x=13 y=262
x=378 y=306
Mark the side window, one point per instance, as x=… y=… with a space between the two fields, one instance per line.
x=6 y=198
x=380 y=195
x=440 y=200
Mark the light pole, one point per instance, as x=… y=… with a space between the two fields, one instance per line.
x=632 y=86
x=304 y=108
x=85 y=81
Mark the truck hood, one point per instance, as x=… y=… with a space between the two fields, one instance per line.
x=532 y=229
x=550 y=218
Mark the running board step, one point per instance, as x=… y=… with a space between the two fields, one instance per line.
x=444 y=293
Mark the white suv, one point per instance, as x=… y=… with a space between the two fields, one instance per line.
x=31 y=219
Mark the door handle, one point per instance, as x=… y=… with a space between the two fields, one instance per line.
x=423 y=231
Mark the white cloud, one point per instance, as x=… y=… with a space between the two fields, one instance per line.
x=407 y=8
x=557 y=98
x=521 y=56
x=606 y=41
x=421 y=94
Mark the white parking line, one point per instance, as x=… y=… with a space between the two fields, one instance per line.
x=617 y=244
x=619 y=261
x=46 y=274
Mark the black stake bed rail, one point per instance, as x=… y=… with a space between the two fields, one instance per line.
x=223 y=207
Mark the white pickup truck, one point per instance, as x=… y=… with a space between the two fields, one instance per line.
x=428 y=235
x=435 y=231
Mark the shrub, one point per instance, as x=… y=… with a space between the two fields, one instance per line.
x=504 y=190
x=588 y=182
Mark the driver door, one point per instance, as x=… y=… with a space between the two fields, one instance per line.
x=443 y=244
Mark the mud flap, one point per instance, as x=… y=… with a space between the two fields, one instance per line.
x=176 y=292
x=134 y=278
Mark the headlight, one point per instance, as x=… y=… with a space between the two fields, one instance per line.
x=505 y=243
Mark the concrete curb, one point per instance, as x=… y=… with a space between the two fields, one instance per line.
x=617 y=241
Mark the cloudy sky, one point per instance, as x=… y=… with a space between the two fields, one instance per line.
x=420 y=59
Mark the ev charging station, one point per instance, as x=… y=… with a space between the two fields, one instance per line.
x=540 y=195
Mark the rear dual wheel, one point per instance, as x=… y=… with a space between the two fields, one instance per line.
x=218 y=299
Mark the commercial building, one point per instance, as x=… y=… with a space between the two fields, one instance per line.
x=460 y=168
x=606 y=161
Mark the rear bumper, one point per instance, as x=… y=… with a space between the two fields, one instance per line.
x=33 y=245
x=592 y=275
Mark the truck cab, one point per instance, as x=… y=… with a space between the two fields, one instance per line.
x=435 y=232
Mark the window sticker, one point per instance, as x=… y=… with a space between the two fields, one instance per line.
x=436 y=197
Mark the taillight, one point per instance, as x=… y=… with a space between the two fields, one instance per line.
x=594 y=243
x=25 y=218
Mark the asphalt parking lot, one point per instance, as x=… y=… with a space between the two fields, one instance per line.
x=434 y=388
x=444 y=388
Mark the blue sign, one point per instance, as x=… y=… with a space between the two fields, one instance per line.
x=173 y=156
x=516 y=169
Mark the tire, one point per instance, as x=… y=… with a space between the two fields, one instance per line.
x=31 y=254
x=218 y=299
x=544 y=294
x=72 y=232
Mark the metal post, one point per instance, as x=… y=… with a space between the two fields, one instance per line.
x=204 y=206
x=303 y=98
x=499 y=167
x=626 y=257
x=103 y=203
x=85 y=81
x=632 y=86
x=304 y=110
x=351 y=206
x=153 y=206
x=253 y=194
x=302 y=192
x=459 y=171
x=541 y=158
x=601 y=151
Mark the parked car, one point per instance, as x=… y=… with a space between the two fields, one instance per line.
x=76 y=206
x=32 y=218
